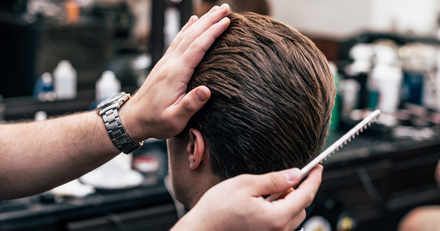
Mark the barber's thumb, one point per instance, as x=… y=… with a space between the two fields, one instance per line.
x=194 y=100
x=276 y=182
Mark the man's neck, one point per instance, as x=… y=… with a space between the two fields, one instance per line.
x=208 y=181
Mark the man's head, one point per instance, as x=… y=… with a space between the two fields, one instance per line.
x=271 y=99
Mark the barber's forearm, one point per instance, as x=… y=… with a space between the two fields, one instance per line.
x=38 y=156
x=35 y=157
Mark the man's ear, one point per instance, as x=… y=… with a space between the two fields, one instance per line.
x=195 y=148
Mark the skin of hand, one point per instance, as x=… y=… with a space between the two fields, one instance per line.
x=239 y=204
x=161 y=108
x=38 y=156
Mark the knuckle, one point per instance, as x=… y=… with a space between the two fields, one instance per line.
x=195 y=45
x=187 y=36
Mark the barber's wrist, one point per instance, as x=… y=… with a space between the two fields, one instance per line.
x=133 y=121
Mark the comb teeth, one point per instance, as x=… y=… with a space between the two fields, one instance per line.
x=335 y=147
x=345 y=139
x=361 y=129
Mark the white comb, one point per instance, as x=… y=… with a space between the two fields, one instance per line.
x=335 y=147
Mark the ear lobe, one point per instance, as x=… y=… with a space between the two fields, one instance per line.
x=196 y=148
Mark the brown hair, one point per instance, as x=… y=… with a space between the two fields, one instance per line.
x=272 y=97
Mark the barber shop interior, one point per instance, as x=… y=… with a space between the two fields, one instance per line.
x=353 y=86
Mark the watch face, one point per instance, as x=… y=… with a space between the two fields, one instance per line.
x=111 y=100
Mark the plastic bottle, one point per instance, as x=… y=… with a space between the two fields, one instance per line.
x=359 y=70
x=40 y=116
x=172 y=22
x=73 y=11
x=43 y=89
x=107 y=86
x=386 y=78
x=65 y=80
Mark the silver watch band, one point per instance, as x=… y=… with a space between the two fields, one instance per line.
x=117 y=132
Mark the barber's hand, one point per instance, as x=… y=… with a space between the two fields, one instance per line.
x=161 y=108
x=237 y=203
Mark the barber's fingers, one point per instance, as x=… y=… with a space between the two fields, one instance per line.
x=190 y=104
x=270 y=183
x=181 y=34
x=198 y=28
x=303 y=196
x=195 y=52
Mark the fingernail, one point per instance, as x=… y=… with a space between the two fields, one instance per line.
x=201 y=95
x=213 y=9
x=193 y=18
x=224 y=6
x=225 y=19
x=292 y=174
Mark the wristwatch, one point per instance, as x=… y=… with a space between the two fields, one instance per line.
x=109 y=112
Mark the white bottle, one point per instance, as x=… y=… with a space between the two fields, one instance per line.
x=107 y=86
x=64 y=80
x=386 y=78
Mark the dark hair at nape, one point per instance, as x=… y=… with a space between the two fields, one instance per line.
x=272 y=96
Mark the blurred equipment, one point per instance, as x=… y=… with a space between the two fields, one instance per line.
x=256 y=6
x=167 y=15
x=73 y=188
x=317 y=223
x=43 y=90
x=148 y=166
x=72 y=11
x=107 y=86
x=40 y=116
x=385 y=79
x=115 y=174
x=65 y=80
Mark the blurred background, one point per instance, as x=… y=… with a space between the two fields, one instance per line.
x=65 y=56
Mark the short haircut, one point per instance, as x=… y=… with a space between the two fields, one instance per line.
x=272 y=97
